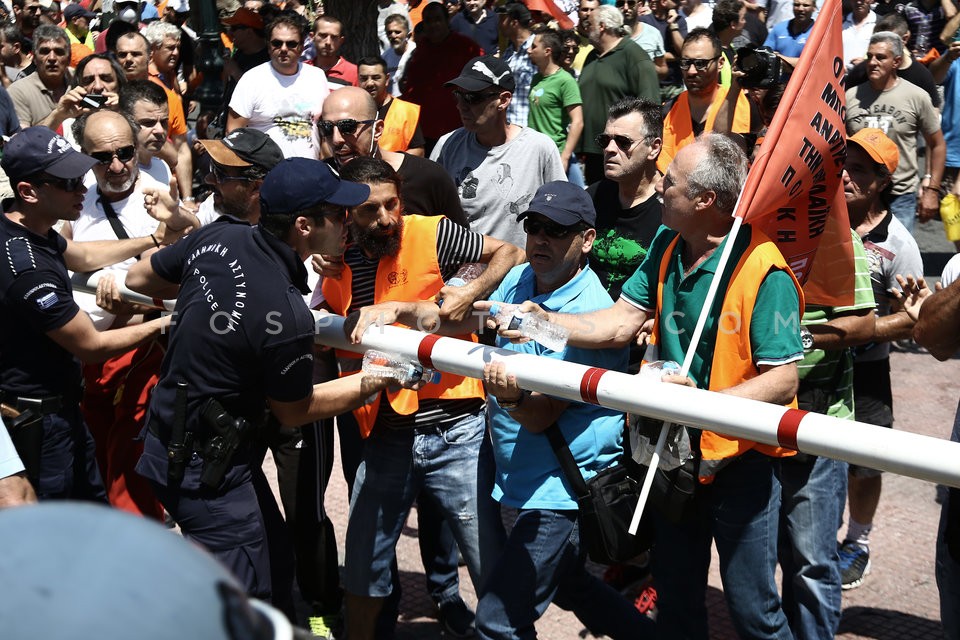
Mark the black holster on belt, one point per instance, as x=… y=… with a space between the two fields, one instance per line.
x=180 y=445
x=26 y=432
x=227 y=434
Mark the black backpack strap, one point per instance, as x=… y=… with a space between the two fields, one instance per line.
x=569 y=466
x=112 y=217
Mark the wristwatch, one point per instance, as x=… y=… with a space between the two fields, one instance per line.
x=509 y=406
x=806 y=338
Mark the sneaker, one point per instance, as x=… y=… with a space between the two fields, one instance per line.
x=456 y=619
x=328 y=626
x=854 y=564
x=646 y=602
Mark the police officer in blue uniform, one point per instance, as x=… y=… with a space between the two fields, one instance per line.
x=242 y=343
x=42 y=331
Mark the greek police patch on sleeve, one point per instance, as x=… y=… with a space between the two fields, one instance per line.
x=20 y=255
x=48 y=300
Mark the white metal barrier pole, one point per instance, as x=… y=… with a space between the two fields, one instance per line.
x=87 y=282
x=908 y=454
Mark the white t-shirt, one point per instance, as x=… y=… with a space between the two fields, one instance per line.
x=951 y=272
x=93 y=225
x=9 y=460
x=158 y=170
x=286 y=108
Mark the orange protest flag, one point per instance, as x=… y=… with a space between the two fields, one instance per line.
x=549 y=8
x=794 y=191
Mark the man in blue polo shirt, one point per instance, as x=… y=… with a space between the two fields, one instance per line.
x=789 y=37
x=560 y=232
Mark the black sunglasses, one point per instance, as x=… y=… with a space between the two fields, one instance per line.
x=67 y=184
x=347 y=126
x=550 y=229
x=123 y=154
x=623 y=142
x=291 y=44
x=474 y=98
x=700 y=63
x=220 y=176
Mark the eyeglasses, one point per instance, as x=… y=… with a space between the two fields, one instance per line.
x=220 y=176
x=631 y=3
x=123 y=154
x=290 y=44
x=67 y=184
x=550 y=229
x=700 y=63
x=474 y=98
x=347 y=126
x=623 y=143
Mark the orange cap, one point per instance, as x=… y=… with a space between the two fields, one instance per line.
x=878 y=146
x=246 y=17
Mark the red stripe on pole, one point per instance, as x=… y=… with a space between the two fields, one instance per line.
x=788 y=427
x=158 y=303
x=425 y=350
x=589 y=384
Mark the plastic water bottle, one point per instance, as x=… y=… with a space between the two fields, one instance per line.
x=466 y=273
x=392 y=365
x=550 y=335
x=658 y=368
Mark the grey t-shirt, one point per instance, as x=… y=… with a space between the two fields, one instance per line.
x=902 y=113
x=497 y=183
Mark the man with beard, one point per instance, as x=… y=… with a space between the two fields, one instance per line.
x=428 y=442
x=397 y=29
x=351 y=127
x=116 y=391
x=696 y=109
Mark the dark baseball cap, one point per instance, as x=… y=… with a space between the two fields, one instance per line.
x=39 y=150
x=76 y=11
x=244 y=147
x=517 y=11
x=297 y=184
x=483 y=72
x=562 y=202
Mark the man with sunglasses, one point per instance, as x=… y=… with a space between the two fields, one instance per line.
x=43 y=332
x=737 y=505
x=497 y=165
x=282 y=97
x=695 y=110
x=544 y=540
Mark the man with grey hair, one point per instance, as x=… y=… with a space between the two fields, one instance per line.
x=902 y=111
x=737 y=504
x=38 y=95
x=616 y=68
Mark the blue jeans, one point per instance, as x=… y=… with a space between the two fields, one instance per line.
x=543 y=562
x=397 y=465
x=904 y=207
x=575 y=173
x=739 y=512
x=814 y=490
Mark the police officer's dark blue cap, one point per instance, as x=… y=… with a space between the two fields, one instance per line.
x=297 y=184
x=562 y=202
x=39 y=150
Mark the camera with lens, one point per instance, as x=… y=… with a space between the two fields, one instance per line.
x=762 y=67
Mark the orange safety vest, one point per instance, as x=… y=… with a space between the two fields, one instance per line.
x=412 y=274
x=678 y=126
x=399 y=125
x=732 y=354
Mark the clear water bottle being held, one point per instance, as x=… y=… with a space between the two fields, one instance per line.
x=392 y=365
x=550 y=335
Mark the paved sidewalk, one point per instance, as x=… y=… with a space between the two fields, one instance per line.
x=897 y=601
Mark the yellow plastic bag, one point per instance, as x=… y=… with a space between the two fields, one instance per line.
x=950 y=214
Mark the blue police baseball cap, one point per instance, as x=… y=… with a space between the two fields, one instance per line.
x=39 y=150
x=297 y=184
x=562 y=202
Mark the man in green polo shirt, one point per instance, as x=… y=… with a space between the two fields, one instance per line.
x=749 y=349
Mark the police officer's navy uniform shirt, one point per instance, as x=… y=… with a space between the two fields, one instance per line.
x=35 y=297
x=242 y=334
